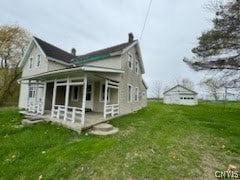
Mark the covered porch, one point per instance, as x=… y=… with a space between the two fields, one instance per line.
x=80 y=101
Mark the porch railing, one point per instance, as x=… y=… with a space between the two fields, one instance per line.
x=112 y=109
x=35 y=108
x=67 y=113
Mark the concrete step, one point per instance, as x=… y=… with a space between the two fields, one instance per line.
x=33 y=118
x=103 y=127
x=27 y=122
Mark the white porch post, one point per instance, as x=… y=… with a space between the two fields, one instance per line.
x=54 y=97
x=36 y=104
x=105 y=99
x=28 y=99
x=66 y=99
x=84 y=100
x=44 y=97
x=118 y=98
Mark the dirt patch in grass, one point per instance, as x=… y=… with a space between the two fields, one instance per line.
x=209 y=165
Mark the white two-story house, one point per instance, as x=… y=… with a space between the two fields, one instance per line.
x=70 y=88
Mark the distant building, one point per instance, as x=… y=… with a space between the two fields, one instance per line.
x=180 y=95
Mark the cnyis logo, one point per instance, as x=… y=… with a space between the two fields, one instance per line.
x=231 y=173
x=227 y=174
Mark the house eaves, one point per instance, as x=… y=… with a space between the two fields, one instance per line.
x=193 y=92
x=95 y=58
x=72 y=70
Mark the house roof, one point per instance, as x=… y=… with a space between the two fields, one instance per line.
x=54 y=52
x=180 y=86
x=101 y=53
x=60 y=56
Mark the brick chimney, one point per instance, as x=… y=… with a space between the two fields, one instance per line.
x=130 y=37
x=73 y=51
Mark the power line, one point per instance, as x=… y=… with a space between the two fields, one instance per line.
x=146 y=17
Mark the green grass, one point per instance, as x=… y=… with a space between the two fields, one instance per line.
x=160 y=141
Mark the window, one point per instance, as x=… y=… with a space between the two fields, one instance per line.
x=136 y=67
x=102 y=94
x=129 y=93
x=89 y=92
x=32 y=92
x=38 y=60
x=75 y=93
x=30 y=63
x=130 y=61
x=136 y=94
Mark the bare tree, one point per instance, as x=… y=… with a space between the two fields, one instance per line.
x=213 y=87
x=156 y=89
x=13 y=41
x=187 y=83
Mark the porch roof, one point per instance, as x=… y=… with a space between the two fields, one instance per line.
x=67 y=71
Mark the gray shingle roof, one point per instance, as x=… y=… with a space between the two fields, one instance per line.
x=54 y=52
x=108 y=50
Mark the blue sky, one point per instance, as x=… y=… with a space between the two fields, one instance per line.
x=170 y=34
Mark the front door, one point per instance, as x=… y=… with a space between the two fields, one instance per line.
x=89 y=97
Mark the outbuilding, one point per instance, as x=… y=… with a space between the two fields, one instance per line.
x=180 y=95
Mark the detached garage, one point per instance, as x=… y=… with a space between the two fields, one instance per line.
x=180 y=95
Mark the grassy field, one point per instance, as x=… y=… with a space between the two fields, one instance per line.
x=160 y=141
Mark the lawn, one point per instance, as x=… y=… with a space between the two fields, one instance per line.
x=159 y=141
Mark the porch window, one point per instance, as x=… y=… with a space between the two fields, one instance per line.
x=102 y=93
x=129 y=93
x=136 y=94
x=30 y=63
x=75 y=93
x=89 y=92
x=32 y=92
x=38 y=60
x=130 y=61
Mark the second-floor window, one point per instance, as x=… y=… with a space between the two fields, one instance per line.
x=38 y=60
x=30 y=63
x=130 y=61
x=136 y=67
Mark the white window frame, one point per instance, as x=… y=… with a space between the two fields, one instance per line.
x=72 y=93
x=30 y=65
x=136 y=95
x=136 y=67
x=130 y=60
x=131 y=93
x=101 y=98
x=38 y=60
x=32 y=89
